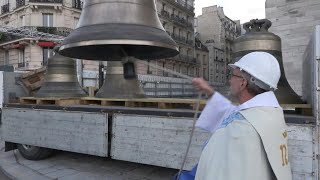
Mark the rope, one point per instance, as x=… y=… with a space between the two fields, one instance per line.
x=195 y=117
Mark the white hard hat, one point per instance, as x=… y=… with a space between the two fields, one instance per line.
x=262 y=66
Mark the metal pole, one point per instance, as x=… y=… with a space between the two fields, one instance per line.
x=101 y=74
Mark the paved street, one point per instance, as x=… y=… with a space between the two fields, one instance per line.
x=3 y=176
x=73 y=166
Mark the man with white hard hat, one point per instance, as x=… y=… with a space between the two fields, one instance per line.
x=249 y=141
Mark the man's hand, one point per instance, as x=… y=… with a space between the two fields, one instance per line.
x=203 y=86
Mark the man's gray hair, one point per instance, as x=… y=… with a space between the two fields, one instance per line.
x=255 y=86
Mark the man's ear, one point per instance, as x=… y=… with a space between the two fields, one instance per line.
x=244 y=83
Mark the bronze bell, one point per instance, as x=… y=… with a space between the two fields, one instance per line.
x=257 y=38
x=121 y=82
x=107 y=28
x=60 y=79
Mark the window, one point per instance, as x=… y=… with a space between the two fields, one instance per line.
x=148 y=68
x=21 y=58
x=6 y=57
x=23 y=20
x=76 y=21
x=163 y=6
x=164 y=25
x=47 y=52
x=47 y=20
x=188 y=52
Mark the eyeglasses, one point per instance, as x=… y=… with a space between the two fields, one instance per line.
x=234 y=75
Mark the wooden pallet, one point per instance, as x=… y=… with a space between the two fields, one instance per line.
x=32 y=80
x=50 y=101
x=161 y=103
x=303 y=109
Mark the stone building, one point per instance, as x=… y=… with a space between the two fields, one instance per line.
x=217 y=32
x=61 y=16
x=177 y=18
x=202 y=56
x=51 y=16
x=293 y=21
x=217 y=64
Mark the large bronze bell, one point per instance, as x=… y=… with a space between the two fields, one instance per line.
x=107 y=28
x=257 y=38
x=60 y=79
x=120 y=82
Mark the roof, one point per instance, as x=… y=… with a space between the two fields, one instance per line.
x=200 y=46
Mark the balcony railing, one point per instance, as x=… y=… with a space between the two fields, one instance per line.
x=46 y=1
x=20 y=3
x=190 y=42
x=61 y=31
x=165 y=14
x=185 y=4
x=20 y=65
x=78 y=4
x=5 y=8
x=178 y=38
x=178 y=20
x=190 y=7
x=185 y=59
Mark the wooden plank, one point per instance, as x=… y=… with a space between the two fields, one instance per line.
x=50 y=101
x=79 y=132
x=27 y=101
x=67 y=102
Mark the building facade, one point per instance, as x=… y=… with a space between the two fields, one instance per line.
x=177 y=18
x=294 y=22
x=50 y=16
x=217 y=32
x=202 y=57
x=60 y=17
x=217 y=65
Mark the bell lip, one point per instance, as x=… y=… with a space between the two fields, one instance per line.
x=120 y=42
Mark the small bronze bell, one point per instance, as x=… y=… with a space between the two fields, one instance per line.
x=60 y=79
x=120 y=82
x=257 y=38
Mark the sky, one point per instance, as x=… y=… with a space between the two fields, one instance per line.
x=245 y=10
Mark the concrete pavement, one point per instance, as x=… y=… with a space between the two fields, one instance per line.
x=73 y=166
